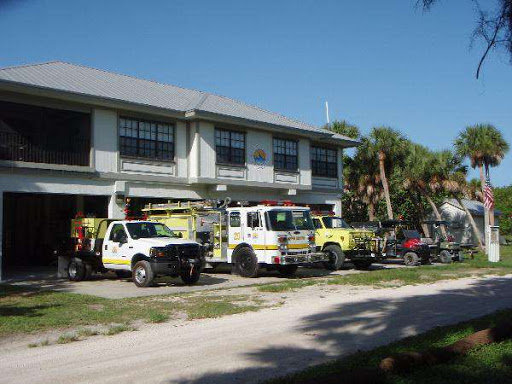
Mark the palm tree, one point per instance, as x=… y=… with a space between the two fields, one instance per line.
x=469 y=190
x=485 y=147
x=415 y=172
x=344 y=128
x=389 y=145
x=363 y=177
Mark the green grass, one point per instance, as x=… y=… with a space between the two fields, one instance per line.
x=67 y=338
x=115 y=329
x=157 y=317
x=490 y=364
x=406 y=276
x=24 y=310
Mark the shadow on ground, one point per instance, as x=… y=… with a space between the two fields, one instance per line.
x=366 y=324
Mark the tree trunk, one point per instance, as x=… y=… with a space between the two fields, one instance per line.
x=473 y=225
x=385 y=185
x=424 y=226
x=438 y=216
x=371 y=211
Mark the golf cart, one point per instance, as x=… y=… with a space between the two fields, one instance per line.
x=442 y=249
x=405 y=243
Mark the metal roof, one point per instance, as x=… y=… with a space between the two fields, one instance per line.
x=474 y=206
x=88 y=81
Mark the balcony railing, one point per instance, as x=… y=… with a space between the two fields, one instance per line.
x=15 y=147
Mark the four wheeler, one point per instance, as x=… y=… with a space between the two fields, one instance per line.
x=442 y=249
x=405 y=243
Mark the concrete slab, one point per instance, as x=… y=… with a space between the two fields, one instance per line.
x=110 y=287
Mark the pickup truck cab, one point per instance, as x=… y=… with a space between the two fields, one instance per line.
x=142 y=249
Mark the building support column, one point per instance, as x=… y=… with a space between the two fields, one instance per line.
x=337 y=208
x=115 y=210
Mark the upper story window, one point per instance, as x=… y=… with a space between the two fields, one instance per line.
x=230 y=147
x=34 y=134
x=324 y=162
x=285 y=155
x=146 y=139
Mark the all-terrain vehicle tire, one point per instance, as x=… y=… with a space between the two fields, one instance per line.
x=336 y=257
x=190 y=279
x=411 y=259
x=143 y=274
x=76 y=269
x=445 y=257
x=246 y=262
x=287 y=270
x=362 y=264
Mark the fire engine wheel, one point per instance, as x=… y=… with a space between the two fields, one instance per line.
x=445 y=257
x=411 y=259
x=190 y=279
x=287 y=270
x=246 y=262
x=76 y=270
x=336 y=257
x=143 y=274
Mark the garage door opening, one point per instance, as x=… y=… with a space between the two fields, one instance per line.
x=34 y=225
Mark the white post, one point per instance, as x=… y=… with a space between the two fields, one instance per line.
x=493 y=245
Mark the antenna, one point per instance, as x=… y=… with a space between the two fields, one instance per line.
x=327 y=114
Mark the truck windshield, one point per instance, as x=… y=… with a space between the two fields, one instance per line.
x=148 y=230
x=288 y=220
x=335 y=222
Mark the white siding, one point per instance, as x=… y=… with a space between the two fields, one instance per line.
x=105 y=140
x=206 y=150
x=264 y=172
x=304 y=162
x=180 y=145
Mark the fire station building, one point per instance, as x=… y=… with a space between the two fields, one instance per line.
x=77 y=139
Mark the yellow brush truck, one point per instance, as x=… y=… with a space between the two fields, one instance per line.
x=339 y=241
x=269 y=235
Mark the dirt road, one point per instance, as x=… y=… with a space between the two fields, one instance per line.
x=319 y=324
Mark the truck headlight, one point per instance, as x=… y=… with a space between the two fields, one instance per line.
x=157 y=252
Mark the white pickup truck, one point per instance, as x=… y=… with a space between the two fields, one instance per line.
x=141 y=249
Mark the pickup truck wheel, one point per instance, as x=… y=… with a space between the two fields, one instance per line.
x=411 y=259
x=287 y=270
x=445 y=257
x=246 y=262
x=76 y=269
x=362 y=264
x=190 y=279
x=143 y=274
x=336 y=257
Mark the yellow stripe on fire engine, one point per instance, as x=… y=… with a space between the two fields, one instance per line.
x=271 y=247
x=115 y=261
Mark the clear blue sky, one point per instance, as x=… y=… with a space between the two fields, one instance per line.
x=376 y=62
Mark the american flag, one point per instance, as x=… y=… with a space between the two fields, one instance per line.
x=488 y=195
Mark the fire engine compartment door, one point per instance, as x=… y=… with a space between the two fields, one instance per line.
x=253 y=231
x=236 y=233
